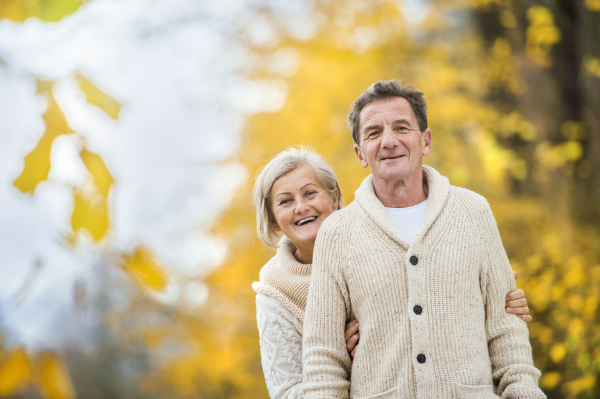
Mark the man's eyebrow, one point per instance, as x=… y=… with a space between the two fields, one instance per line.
x=401 y=121
x=371 y=127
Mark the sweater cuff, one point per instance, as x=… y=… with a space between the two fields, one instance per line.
x=523 y=391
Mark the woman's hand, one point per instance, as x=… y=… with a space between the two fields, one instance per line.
x=352 y=337
x=516 y=303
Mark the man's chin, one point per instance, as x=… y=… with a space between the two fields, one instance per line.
x=393 y=174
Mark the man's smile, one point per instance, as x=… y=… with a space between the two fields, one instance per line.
x=394 y=157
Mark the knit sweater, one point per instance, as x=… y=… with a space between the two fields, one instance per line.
x=286 y=279
x=280 y=334
x=416 y=340
x=280 y=303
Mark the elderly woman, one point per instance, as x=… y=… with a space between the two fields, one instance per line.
x=293 y=194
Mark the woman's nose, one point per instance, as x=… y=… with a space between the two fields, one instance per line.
x=302 y=206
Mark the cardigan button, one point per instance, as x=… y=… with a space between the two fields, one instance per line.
x=421 y=358
x=418 y=310
x=414 y=260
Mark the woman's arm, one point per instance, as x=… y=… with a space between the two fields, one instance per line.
x=280 y=334
x=516 y=303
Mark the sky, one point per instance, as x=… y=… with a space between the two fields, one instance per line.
x=179 y=67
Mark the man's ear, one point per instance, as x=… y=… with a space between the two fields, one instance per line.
x=426 y=141
x=362 y=159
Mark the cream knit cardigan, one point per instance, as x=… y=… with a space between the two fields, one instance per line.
x=363 y=267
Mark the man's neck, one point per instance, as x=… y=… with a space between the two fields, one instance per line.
x=401 y=193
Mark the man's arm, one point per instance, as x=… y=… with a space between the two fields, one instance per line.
x=507 y=335
x=326 y=363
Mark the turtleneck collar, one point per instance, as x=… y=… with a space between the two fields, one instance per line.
x=286 y=279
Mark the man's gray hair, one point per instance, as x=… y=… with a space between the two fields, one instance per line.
x=283 y=163
x=383 y=90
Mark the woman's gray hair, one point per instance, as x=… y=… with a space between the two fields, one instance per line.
x=283 y=163
x=383 y=90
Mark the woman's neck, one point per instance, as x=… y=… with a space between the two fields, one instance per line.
x=304 y=254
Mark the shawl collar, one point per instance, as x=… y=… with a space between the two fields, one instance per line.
x=439 y=188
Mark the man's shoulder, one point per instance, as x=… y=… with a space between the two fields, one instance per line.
x=470 y=200
x=339 y=221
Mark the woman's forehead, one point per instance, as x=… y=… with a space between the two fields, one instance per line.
x=296 y=180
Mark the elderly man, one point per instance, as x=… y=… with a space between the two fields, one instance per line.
x=406 y=258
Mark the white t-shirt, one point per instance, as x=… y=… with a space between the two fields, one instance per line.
x=408 y=220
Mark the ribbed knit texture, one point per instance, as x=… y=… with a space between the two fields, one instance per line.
x=362 y=267
x=280 y=334
x=286 y=279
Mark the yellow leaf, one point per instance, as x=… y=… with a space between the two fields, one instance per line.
x=558 y=352
x=97 y=97
x=15 y=372
x=37 y=162
x=550 y=380
x=49 y=11
x=90 y=213
x=53 y=379
x=142 y=265
x=95 y=165
x=581 y=384
x=593 y=5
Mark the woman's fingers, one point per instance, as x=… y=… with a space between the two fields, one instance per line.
x=517 y=303
x=351 y=329
x=352 y=336
x=351 y=344
x=525 y=317
x=516 y=274
x=517 y=294
x=520 y=310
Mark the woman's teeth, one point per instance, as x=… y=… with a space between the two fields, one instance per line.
x=307 y=220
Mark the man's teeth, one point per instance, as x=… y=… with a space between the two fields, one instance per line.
x=300 y=223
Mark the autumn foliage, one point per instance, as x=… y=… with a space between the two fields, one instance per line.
x=513 y=89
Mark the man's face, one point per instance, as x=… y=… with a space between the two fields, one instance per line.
x=390 y=140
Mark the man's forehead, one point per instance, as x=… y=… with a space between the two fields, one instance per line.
x=397 y=106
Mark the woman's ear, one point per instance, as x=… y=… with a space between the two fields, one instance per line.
x=276 y=226
x=335 y=197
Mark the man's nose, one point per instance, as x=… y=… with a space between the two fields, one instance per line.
x=388 y=139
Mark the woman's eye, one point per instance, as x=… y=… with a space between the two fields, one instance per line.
x=308 y=193
x=285 y=201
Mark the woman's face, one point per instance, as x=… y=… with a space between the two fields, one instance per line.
x=300 y=204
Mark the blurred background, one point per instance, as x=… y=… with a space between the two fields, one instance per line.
x=131 y=130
